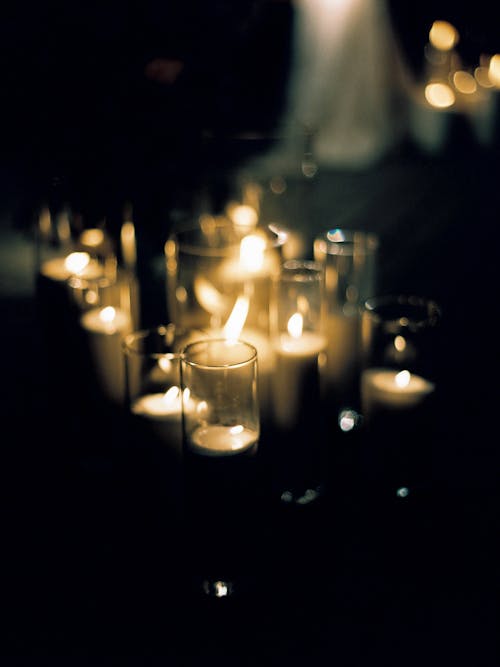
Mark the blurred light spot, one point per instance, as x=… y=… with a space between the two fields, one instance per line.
x=439 y=95
x=348 y=420
x=92 y=237
x=402 y=379
x=308 y=497
x=494 y=70
x=91 y=297
x=181 y=294
x=243 y=215
x=309 y=168
x=403 y=492
x=335 y=235
x=277 y=185
x=75 y=262
x=165 y=363
x=482 y=77
x=234 y=430
x=400 y=343
x=464 y=82
x=286 y=497
x=443 y=35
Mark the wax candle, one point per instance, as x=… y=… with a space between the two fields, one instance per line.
x=219 y=440
x=385 y=389
x=163 y=413
x=105 y=328
x=296 y=374
x=60 y=269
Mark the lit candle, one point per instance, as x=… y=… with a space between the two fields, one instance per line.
x=163 y=412
x=235 y=328
x=386 y=389
x=219 y=440
x=295 y=378
x=105 y=328
x=81 y=264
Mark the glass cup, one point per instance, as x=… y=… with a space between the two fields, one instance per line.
x=219 y=279
x=221 y=432
x=399 y=388
x=153 y=401
x=299 y=343
x=349 y=259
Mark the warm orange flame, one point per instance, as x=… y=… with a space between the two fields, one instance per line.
x=402 y=379
x=236 y=320
x=443 y=35
x=171 y=395
x=92 y=237
x=400 y=343
x=252 y=252
x=76 y=262
x=107 y=314
x=494 y=70
x=295 y=325
x=439 y=95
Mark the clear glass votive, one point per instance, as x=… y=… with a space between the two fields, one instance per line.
x=221 y=431
x=218 y=276
x=299 y=343
x=349 y=258
x=399 y=386
x=152 y=375
x=153 y=401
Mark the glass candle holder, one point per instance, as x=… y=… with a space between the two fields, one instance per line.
x=299 y=344
x=219 y=279
x=349 y=259
x=221 y=430
x=399 y=386
x=152 y=373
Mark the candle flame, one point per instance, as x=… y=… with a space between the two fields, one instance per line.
x=439 y=95
x=234 y=430
x=252 y=252
x=92 y=237
x=402 y=379
x=400 y=343
x=209 y=297
x=494 y=70
x=128 y=244
x=107 y=314
x=165 y=363
x=443 y=35
x=171 y=395
x=75 y=262
x=236 y=320
x=243 y=215
x=295 y=325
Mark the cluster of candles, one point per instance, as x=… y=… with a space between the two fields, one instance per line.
x=449 y=87
x=296 y=344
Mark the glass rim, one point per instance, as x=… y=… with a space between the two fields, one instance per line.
x=143 y=334
x=341 y=237
x=182 y=235
x=210 y=341
x=430 y=309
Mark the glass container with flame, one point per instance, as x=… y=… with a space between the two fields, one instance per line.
x=399 y=384
x=218 y=278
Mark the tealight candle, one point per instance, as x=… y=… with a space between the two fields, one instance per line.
x=296 y=369
x=220 y=440
x=105 y=328
x=389 y=389
x=163 y=412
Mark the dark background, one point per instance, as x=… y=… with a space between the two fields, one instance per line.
x=90 y=557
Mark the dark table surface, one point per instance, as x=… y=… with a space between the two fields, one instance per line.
x=92 y=549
